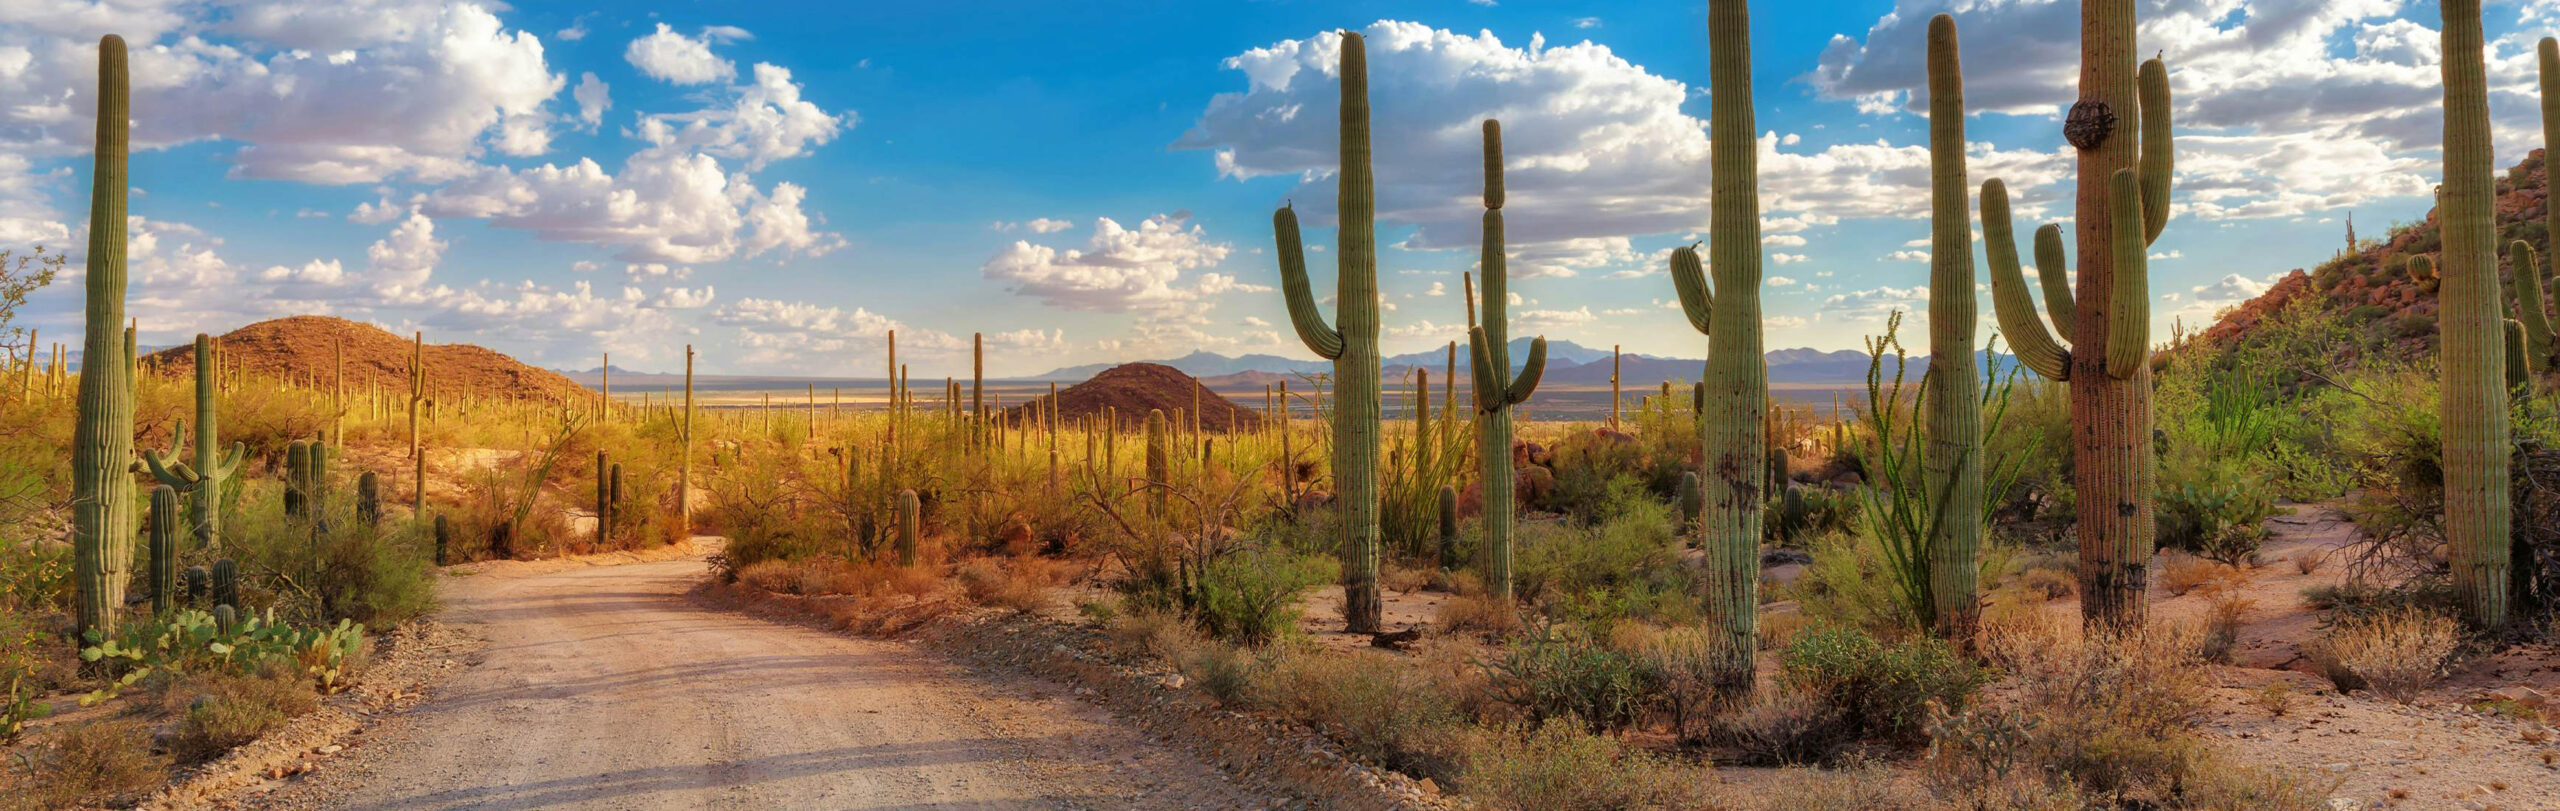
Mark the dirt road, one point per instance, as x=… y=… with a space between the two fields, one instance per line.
x=607 y=688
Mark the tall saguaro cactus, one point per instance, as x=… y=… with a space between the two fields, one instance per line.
x=1496 y=388
x=1353 y=347
x=2476 y=444
x=2530 y=312
x=2122 y=205
x=204 y=481
x=1734 y=397
x=1953 y=468
x=102 y=441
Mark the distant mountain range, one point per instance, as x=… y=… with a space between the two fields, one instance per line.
x=1567 y=363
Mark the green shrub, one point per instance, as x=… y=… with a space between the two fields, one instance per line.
x=1847 y=585
x=1378 y=711
x=1628 y=566
x=1251 y=597
x=1881 y=689
x=1553 y=673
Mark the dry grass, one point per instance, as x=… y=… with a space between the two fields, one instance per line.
x=1479 y=616
x=2181 y=572
x=1021 y=584
x=2309 y=560
x=94 y=765
x=2395 y=653
x=225 y=711
x=1558 y=766
x=2276 y=699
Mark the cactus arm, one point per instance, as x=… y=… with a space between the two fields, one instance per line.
x=1488 y=389
x=2519 y=372
x=2159 y=153
x=2034 y=346
x=2535 y=328
x=1319 y=336
x=2053 y=271
x=1526 y=383
x=2129 y=324
x=172 y=473
x=1689 y=277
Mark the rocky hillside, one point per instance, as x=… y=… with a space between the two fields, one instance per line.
x=305 y=347
x=2371 y=282
x=1131 y=389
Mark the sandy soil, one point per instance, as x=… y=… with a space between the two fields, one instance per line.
x=605 y=687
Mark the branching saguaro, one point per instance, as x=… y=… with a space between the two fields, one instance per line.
x=1496 y=388
x=2122 y=205
x=1735 y=393
x=1353 y=345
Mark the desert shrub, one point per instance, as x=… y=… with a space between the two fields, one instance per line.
x=1554 y=672
x=1625 y=567
x=2212 y=512
x=1685 y=666
x=1381 y=713
x=101 y=763
x=1596 y=480
x=333 y=566
x=2395 y=653
x=1864 y=786
x=225 y=710
x=1881 y=689
x=2181 y=573
x=1021 y=584
x=1479 y=615
x=30 y=667
x=1251 y=597
x=1801 y=513
x=34 y=577
x=192 y=642
x=1847 y=585
x=1779 y=727
x=1556 y=765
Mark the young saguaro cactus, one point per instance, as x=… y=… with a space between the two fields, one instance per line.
x=1353 y=346
x=163 y=532
x=1496 y=388
x=2123 y=203
x=203 y=482
x=1159 y=463
x=1953 y=467
x=1732 y=400
x=102 y=440
x=2531 y=325
x=908 y=518
x=2477 y=513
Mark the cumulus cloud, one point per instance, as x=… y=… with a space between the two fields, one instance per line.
x=678 y=59
x=760 y=122
x=1118 y=270
x=594 y=98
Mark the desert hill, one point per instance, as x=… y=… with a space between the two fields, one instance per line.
x=1134 y=388
x=2370 y=281
x=304 y=348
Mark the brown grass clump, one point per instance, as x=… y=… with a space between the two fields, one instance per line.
x=99 y=764
x=2309 y=560
x=1379 y=711
x=2394 y=653
x=1021 y=584
x=1559 y=766
x=225 y=711
x=1478 y=616
x=2181 y=573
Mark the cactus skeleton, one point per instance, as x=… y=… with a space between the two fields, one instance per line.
x=1352 y=345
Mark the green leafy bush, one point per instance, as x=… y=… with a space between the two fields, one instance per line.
x=1251 y=597
x=1881 y=689
x=1556 y=673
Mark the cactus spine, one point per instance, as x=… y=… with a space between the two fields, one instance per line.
x=2122 y=205
x=203 y=483
x=1496 y=389
x=163 y=531
x=1353 y=347
x=1953 y=469
x=1732 y=400
x=2476 y=443
x=102 y=443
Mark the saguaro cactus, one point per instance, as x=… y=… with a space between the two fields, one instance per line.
x=226 y=582
x=2476 y=444
x=2531 y=324
x=908 y=518
x=1353 y=347
x=102 y=441
x=202 y=482
x=1732 y=401
x=1953 y=468
x=1159 y=463
x=369 y=498
x=1496 y=389
x=163 y=531
x=2123 y=204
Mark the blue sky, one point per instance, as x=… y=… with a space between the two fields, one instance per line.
x=781 y=183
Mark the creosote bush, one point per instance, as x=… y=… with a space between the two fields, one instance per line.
x=2395 y=653
x=1882 y=689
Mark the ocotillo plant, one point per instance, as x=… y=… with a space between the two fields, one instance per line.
x=1735 y=392
x=2476 y=443
x=163 y=532
x=1496 y=388
x=203 y=482
x=102 y=441
x=1953 y=468
x=1353 y=345
x=2123 y=204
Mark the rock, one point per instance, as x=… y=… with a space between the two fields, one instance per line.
x=2521 y=696
x=1017 y=538
x=1781 y=556
x=1172 y=681
x=1533 y=484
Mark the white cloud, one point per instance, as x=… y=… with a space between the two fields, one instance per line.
x=677 y=59
x=594 y=98
x=760 y=122
x=402 y=262
x=678 y=298
x=1118 y=270
x=1787 y=258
